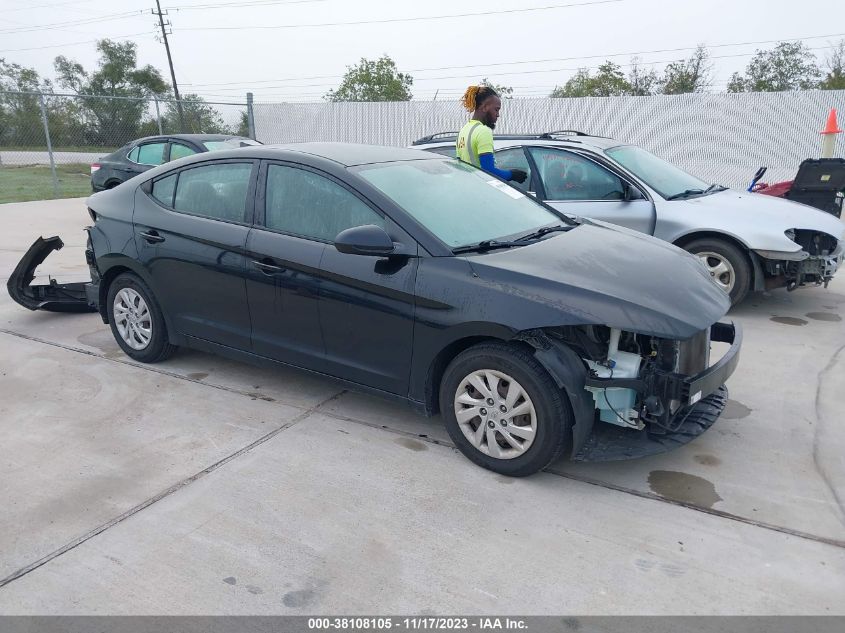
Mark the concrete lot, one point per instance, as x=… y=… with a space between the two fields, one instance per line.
x=204 y=486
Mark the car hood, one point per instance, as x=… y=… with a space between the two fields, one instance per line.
x=753 y=212
x=600 y=274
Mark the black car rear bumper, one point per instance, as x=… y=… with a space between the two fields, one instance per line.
x=54 y=297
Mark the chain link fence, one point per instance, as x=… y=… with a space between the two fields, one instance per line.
x=721 y=138
x=48 y=141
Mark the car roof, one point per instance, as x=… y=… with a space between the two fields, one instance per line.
x=346 y=154
x=571 y=138
x=196 y=138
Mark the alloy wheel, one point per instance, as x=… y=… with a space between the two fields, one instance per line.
x=721 y=270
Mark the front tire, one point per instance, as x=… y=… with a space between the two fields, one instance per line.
x=136 y=320
x=503 y=411
x=728 y=265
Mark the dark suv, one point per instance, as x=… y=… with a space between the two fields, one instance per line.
x=145 y=153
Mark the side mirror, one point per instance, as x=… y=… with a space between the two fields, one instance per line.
x=630 y=193
x=364 y=240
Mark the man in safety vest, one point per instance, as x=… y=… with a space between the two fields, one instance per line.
x=475 y=140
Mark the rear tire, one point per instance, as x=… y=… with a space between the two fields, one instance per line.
x=136 y=320
x=528 y=424
x=727 y=264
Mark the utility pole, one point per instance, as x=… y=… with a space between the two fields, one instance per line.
x=170 y=63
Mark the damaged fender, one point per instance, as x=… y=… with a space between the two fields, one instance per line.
x=53 y=297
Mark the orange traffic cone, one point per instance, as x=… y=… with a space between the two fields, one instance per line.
x=829 y=132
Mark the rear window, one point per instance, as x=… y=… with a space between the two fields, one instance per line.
x=229 y=143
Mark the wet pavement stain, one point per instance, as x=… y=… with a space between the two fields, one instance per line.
x=230 y=580
x=707 y=460
x=414 y=445
x=260 y=396
x=824 y=316
x=788 y=320
x=736 y=411
x=301 y=598
x=256 y=591
x=683 y=487
x=198 y=375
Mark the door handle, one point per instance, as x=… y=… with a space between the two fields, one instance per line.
x=268 y=269
x=152 y=237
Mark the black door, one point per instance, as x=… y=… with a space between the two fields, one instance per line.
x=352 y=314
x=282 y=275
x=190 y=231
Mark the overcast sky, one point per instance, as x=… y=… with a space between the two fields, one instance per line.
x=221 y=49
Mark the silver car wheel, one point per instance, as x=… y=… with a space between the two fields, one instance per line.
x=720 y=269
x=133 y=319
x=495 y=414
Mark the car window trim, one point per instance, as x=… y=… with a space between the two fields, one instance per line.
x=172 y=142
x=589 y=158
x=249 y=208
x=166 y=144
x=261 y=198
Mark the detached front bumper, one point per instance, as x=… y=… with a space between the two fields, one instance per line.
x=675 y=408
x=54 y=297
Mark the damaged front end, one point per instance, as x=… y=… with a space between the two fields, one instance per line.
x=816 y=263
x=644 y=394
x=53 y=297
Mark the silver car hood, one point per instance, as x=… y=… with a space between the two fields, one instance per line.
x=756 y=220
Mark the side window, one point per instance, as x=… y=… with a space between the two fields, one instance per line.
x=150 y=154
x=177 y=150
x=304 y=203
x=515 y=159
x=163 y=190
x=133 y=155
x=215 y=191
x=567 y=176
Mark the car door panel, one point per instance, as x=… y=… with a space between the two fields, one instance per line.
x=282 y=284
x=367 y=315
x=198 y=266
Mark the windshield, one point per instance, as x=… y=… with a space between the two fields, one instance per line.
x=663 y=177
x=458 y=203
x=229 y=143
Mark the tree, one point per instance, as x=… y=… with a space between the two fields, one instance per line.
x=199 y=117
x=835 y=62
x=608 y=82
x=691 y=75
x=788 y=66
x=642 y=82
x=113 y=121
x=505 y=92
x=370 y=80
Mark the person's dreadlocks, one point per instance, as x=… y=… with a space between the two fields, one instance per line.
x=476 y=95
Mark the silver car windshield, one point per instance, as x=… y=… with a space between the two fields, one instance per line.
x=663 y=177
x=458 y=203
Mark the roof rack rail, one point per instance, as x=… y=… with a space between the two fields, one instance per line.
x=431 y=137
x=563 y=133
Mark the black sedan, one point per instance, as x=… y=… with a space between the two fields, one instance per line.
x=145 y=153
x=415 y=277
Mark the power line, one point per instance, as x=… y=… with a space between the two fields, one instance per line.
x=64 y=25
x=395 y=20
x=520 y=72
x=38 y=48
x=44 y=6
x=539 y=61
x=240 y=5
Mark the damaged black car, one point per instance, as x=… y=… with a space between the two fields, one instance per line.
x=408 y=275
